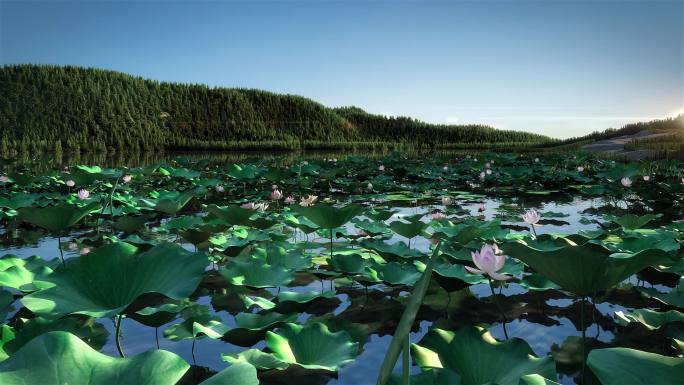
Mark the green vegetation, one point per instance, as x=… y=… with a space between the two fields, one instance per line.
x=74 y=109
x=497 y=268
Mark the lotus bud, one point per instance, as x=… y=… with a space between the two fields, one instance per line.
x=70 y=183
x=626 y=181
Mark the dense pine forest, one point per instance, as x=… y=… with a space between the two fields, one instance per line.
x=64 y=108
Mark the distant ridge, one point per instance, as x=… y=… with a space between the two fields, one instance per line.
x=44 y=107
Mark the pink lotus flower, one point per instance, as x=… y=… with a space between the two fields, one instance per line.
x=220 y=189
x=482 y=175
x=84 y=251
x=127 y=178
x=536 y=160
x=531 y=217
x=445 y=168
x=381 y=168
x=489 y=172
x=362 y=233
x=647 y=178
x=290 y=200
x=309 y=200
x=580 y=169
x=488 y=261
x=437 y=215
x=276 y=195
x=70 y=183
x=83 y=194
x=4 y=179
x=626 y=181
x=482 y=207
x=446 y=201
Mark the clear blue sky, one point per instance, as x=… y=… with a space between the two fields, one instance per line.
x=554 y=67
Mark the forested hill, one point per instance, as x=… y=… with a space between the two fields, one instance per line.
x=74 y=108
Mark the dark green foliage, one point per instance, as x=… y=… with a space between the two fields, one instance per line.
x=72 y=109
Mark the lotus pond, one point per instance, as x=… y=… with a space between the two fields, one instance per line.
x=482 y=269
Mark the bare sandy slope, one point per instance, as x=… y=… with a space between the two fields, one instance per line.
x=616 y=145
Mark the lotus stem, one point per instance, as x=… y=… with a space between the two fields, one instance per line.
x=331 y=243
x=156 y=336
x=406 y=363
x=496 y=302
x=584 y=353
x=192 y=351
x=118 y=335
x=534 y=231
x=61 y=253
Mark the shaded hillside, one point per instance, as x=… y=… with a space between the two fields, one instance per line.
x=74 y=108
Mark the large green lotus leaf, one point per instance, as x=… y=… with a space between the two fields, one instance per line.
x=373 y=228
x=584 y=269
x=232 y=215
x=162 y=314
x=243 y=172
x=312 y=346
x=175 y=203
x=642 y=239
x=94 y=334
x=410 y=229
x=6 y=301
x=103 y=283
x=250 y=328
x=622 y=366
x=130 y=224
x=18 y=200
x=24 y=274
x=380 y=215
x=6 y=335
x=276 y=255
x=57 y=218
x=649 y=318
x=256 y=358
x=57 y=358
x=394 y=273
x=674 y=298
x=480 y=359
x=198 y=321
x=350 y=263
x=236 y=374
x=633 y=222
x=255 y=273
x=391 y=251
x=329 y=216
